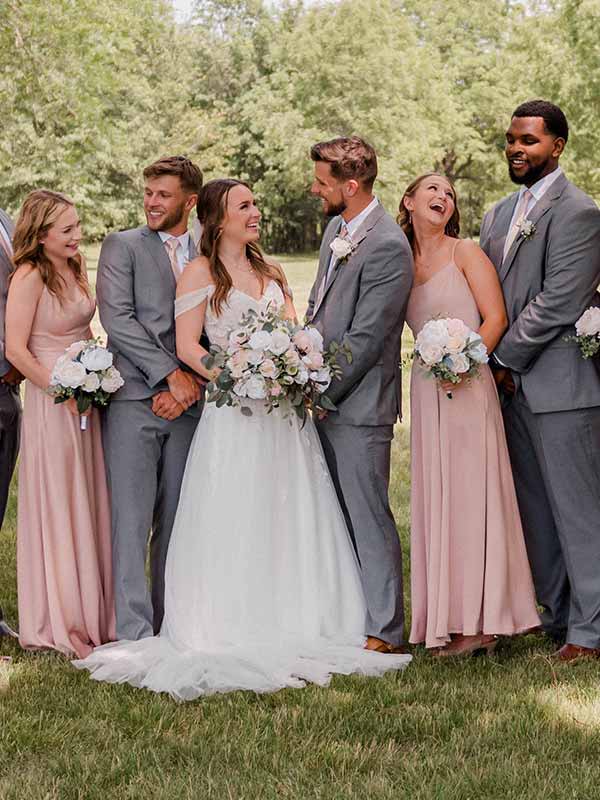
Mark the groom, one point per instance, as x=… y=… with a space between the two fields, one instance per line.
x=359 y=299
x=149 y=425
x=545 y=243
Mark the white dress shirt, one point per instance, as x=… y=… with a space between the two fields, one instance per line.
x=182 y=252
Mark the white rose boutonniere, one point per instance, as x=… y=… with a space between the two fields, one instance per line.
x=527 y=229
x=341 y=248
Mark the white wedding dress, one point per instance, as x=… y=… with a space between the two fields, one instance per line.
x=262 y=584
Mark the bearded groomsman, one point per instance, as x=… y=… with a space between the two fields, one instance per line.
x=545 y=243
x=10 y=378
x=359 y=299
x=149 y=425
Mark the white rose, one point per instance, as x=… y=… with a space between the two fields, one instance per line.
x=268 y=368
x=315 y=338
x=261 y=340
x=589 y=323
x=322 y=377
x=458 y=335
x=431 y=353
x=302 y=376
x=112 y=381
x=256 y=388
x=96 y=359
x=254 y=357
x=458 y=363
x=479 y=353
x=91 y=383
x=280 y=342
x=341 y=248
x=69 y=373
x=240 y=388
x=433 y=332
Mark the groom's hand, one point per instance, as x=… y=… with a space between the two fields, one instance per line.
x=504 y=380
x=183 y=387
x=165 y=406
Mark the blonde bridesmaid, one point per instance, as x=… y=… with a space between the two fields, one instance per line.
x=470 y=576
x=64 y=572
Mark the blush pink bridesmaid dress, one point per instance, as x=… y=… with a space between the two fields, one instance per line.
x=64 y=572
x=469 y=567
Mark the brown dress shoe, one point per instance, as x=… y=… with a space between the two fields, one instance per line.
x=379 y=646
x=570 y=653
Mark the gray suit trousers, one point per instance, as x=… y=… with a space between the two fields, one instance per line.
x=359 y=461
x=145 y=461
x=556 y=463
x=10 y=419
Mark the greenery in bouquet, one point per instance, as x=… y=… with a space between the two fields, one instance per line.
x=272 y=359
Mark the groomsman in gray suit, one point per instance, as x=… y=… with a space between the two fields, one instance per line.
x=359 y=299
x=10 y=378
x=545 y=243
x=149 y=425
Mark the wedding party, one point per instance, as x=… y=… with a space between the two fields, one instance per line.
x=249 y=495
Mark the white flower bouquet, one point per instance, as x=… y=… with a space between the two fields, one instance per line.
x=449 y=350
x=587 y=329
x=272 y=359
x=85 y=372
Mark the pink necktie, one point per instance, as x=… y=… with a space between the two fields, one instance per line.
x=516 y=226
x=172 y=244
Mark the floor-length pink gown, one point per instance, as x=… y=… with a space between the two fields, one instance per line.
x=63 y=531
x=469 y=567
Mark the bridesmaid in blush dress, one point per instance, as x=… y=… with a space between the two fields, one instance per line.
x=64 y=573
x=470 y=577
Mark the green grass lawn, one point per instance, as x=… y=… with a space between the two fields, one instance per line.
x=512 y=726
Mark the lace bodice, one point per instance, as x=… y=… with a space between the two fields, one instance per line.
x=217 y=328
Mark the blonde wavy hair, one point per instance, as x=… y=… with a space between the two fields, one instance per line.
x=212 y=209
x=38 y=214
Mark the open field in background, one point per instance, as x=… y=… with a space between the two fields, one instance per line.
x=512 y=727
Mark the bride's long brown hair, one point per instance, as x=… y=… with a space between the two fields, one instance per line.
x=212 y=209
x=38 y=214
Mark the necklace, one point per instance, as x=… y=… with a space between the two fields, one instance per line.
x=245 y=266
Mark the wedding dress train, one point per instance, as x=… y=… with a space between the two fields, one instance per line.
x=262 y=583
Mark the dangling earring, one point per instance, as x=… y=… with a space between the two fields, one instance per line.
x=410 y=218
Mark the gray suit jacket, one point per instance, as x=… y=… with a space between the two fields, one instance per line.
x=548 y=281
x=364 y=307
x=5 y=270
x=136 y=295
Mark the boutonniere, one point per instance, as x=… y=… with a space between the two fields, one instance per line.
x=526 y=229
x=342 y=248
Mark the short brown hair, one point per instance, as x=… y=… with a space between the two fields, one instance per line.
x=180 y=166
x=349 y=157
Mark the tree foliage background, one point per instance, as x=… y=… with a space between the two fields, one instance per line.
x=92 y=92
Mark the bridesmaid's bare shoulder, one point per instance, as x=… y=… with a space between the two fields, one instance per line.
x=468 y=255
x=26 y=277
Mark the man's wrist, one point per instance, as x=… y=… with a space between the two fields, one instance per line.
x=495 y=364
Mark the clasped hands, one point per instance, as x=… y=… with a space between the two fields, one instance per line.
x=13 y=377
x=184 y=390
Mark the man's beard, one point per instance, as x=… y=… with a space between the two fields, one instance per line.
x=335 y=210
x=173 y=219
x=531 y=176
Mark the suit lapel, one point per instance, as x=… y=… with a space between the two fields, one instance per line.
x=155 y=247
x=534 y=216
x=357 y=238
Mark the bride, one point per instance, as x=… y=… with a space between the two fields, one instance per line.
x=262 y=584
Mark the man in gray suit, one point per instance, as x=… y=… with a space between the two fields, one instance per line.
x=545 y=243
x=10 y=378
x=359 y=299
x=149 y=425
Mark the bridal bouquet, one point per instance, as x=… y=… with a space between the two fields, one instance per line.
x=449 y=350
x=587 y=328
x=272 y=359
x=85 y=372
